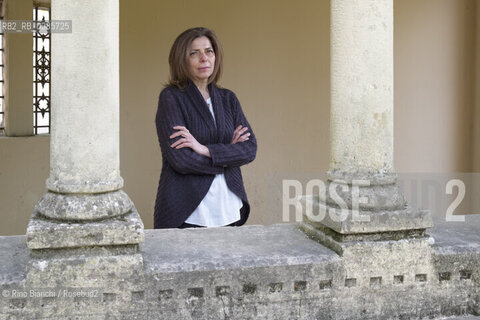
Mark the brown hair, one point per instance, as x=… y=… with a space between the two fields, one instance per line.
x=179 y=73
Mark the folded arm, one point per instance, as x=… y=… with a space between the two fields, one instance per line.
x=183 y=160
x=237 y=154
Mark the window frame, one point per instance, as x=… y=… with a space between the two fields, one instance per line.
x=37 y=54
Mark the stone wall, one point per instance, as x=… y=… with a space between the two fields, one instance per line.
x=256 y=272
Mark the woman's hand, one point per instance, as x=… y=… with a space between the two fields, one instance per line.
x=239 y=135
x=188 y=141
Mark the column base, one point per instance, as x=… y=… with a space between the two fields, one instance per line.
x=45 y=233
x=343 y=244
x=92 y=206
x=361 y=221
x=339 y=219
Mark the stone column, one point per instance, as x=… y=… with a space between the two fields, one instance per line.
x=361 y=123
x=84 y=205
x=361 y=179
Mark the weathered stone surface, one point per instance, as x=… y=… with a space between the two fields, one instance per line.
x=340 y=243
x=97 y=267
x=361 y=70
x=46 y=233
x=255 y=272
x=376 y=177
x=86 y=82
x=364 y=195
x=93 y=206
x=13 y=259
x=456 y=237
x=362 y=221
x=459 y=318
x=227 y=248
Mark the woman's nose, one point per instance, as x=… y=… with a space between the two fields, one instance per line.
x=203 y=56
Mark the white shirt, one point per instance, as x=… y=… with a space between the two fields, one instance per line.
x=220 y=206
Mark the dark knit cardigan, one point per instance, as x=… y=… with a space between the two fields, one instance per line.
x=186 y=176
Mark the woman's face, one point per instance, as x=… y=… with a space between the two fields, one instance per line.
x=200 y=59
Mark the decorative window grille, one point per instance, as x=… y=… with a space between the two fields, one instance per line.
x=2 y=111
x=41 y=74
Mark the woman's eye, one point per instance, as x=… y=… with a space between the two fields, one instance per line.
x=192 y=53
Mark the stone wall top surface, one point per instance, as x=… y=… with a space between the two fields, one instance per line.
x=13 y=259
x=456 y=237
x=199 y=249
x=175 y=250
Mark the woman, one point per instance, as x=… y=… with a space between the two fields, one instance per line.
x=204 y=138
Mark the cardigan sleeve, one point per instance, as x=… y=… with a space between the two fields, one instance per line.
x=240 y=153
x=184 y=160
